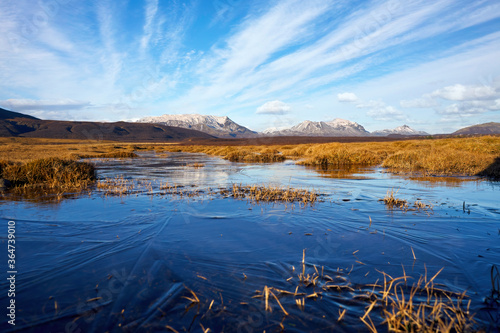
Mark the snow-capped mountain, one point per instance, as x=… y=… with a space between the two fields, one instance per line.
x=401 y=130
x=336 y=127
x=221 y=127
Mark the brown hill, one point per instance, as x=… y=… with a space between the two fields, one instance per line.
x=6 y=114
x=13 y=124
x=486 y=128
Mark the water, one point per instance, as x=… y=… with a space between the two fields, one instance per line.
x=96 y=262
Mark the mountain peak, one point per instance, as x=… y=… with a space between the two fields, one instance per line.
x=401 y=130
x=336 y=127
x=220 y=126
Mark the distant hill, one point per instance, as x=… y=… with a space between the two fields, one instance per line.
x=221 y=127
x=486 y=128
x=400 y=130
x=13 y=124
x=5 y=114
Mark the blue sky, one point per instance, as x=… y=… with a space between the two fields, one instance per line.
x=433 y=65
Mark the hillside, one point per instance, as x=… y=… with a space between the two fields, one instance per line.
x=5 y=114
x=26 y=126
x=486 y=128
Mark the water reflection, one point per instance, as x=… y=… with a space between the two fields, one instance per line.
x=343 y=172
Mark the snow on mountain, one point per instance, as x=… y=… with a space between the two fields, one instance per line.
x=401 y=130
x=336 y=127
x=222 y=127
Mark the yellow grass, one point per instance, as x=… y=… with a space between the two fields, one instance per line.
x=29 y=149
x=48 y=172
x=257 y=193
x=450 y=156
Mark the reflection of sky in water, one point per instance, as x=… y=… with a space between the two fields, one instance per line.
x=139 y=253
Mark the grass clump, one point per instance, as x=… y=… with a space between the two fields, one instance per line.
x=257 y=193
x=49 y=172
x=392 y=202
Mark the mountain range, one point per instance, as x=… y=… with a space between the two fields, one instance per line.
x=224 y=127
x=336 y=127
x=202 y=127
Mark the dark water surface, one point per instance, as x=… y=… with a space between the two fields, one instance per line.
x=97 y=262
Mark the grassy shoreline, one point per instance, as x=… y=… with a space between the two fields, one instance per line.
x=44 y=159
x=450 y=156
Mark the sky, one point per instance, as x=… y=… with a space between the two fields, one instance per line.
x=433 y=65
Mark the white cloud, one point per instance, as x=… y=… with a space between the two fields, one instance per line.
x=470 y=100
x=460 y=92
x=470 y=108
x=347 y=97
x=43 y=105
x=274 y=107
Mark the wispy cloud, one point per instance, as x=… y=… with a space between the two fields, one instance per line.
x=150 y=14
x=171 y=57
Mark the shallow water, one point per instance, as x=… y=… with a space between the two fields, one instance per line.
x=99 y=262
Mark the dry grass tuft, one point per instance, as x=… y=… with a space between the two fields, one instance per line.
x=257 y=193
x=117 y=186
x=392 y=202
x=49 y=172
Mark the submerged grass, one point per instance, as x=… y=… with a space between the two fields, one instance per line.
x=393 y=305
